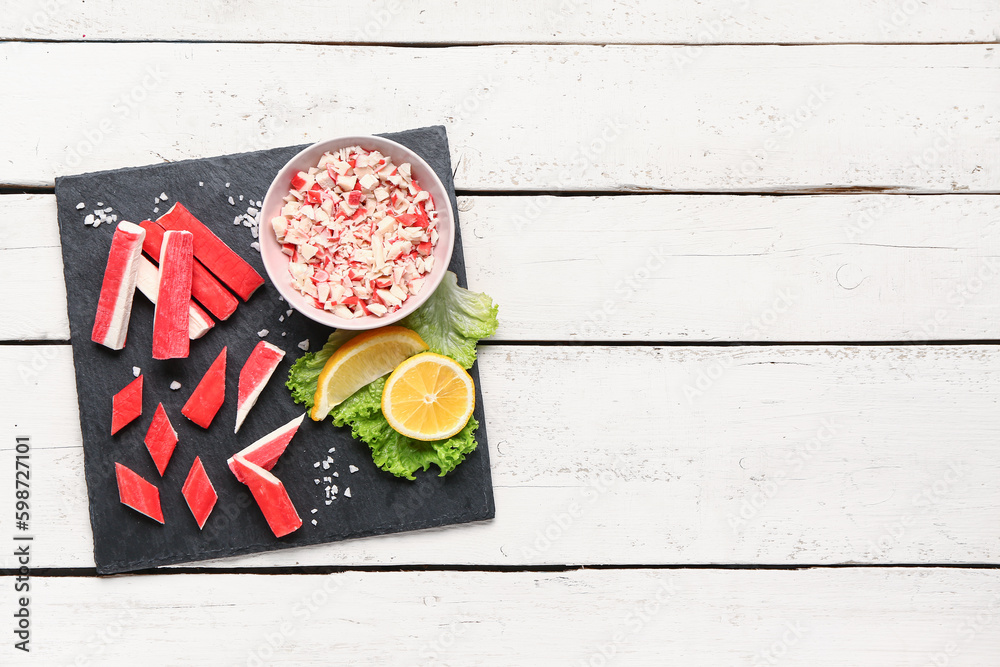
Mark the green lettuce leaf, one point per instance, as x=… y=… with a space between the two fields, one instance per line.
x=453 y=320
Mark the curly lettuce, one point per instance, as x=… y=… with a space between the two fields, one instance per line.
x=451 y=322
x=454 y=319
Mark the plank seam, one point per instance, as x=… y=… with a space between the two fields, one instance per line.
x=333 y=569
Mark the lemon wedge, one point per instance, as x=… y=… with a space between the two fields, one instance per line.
x=361 y=360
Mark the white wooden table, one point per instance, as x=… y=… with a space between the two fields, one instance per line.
x=743 y=402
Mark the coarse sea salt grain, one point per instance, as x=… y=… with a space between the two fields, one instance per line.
x=255 y=245
x=316 y=465
x=314 y=522
x=163 y=196
x=175 y=385
x=353 y=469
x=262 y=332
x=314 y=510
x=232 y=202
x=227 y=185
x=156 y=209
x=347 y=492
x=284 y=333
x=81 y=206
x=136 y=371
x=304 y=345
x=201 y=184
x=336 y=474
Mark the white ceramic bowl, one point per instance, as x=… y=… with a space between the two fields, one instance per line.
x=276 y=262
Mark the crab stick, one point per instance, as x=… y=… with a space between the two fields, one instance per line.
x=213 y=252
x=199 y=493
x=266 y=451
x=199 y=322
x=204 y=287
x=254 y=376
x=137 y=493
x=271 y=497
x=170 y=318
x=161 y=439
x=126 y=405
x=114 y=306
x=208 y=396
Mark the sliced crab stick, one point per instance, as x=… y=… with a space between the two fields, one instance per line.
x=208 y=396
x=254 y=375
x=170 y=318
x=161 y=439
x=212 y=251
x=137 y=493
x=199 y=493
x=266 y=451
x=204 y=287
x=271 y=497
x=126 y=405
x=114 y=306
x=199 y=322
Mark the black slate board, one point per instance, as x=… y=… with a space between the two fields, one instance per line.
x=125 y=540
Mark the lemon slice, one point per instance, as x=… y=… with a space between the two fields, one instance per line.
x=363 y=359
x=428 y=397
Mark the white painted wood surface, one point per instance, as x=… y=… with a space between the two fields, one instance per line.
x=733 y=118
x=690 y=617
x=441 y=21
x=644 y=455
x=662 y=268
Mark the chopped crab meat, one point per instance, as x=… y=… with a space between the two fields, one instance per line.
x=359 y=232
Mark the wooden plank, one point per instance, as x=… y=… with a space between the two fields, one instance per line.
x=856 y=616
x=734 y=118
x=663 y=267
x=639 y=455
x=439 y=21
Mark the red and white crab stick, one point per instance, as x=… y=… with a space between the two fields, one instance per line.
x=114 y=307
x=254 y=376
x=199 y=322
x=204 y=287
x=213 y=252
x=170 y=319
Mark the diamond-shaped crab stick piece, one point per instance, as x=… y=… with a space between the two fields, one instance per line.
x=208 y=396
x=254 y=376
x=271 y=497
x=199 y=493
x=266 y=451
x=199 y=322
x=170 y=318
x=213 y=252
x=137 y=493
x=114 y=306
x=161 y=439
x=204 y=287
x=126 y=405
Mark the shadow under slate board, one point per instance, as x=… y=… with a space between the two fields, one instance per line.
x=124 y=540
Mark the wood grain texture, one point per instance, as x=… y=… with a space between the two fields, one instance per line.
x=440 y=21
x=690 y=617
x=566 y=118
x=663 y=267
x=630 y=455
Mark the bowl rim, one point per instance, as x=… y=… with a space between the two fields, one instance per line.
x=367 y=322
